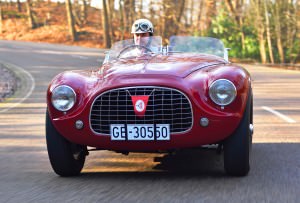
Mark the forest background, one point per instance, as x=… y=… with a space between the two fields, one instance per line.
x=266 y=31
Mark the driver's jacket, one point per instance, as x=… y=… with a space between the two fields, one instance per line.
x=139 y=52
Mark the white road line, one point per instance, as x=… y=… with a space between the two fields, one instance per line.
x=29 y=92
x=280 y=115
x=80 y=57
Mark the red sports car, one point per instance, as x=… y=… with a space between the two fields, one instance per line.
x=152 y=98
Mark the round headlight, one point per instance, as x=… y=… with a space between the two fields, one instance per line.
x=222 y=92
x=63 y=98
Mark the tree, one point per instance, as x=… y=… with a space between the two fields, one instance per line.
x=110 y=13
x=71 y=24
x=199 y=18
x=83 y=12
x=122 y=19
x=19 y=6
x=1 y=18
x=106 y=32
x=31 y=21
x=173 y=11
x=268 y=32
x=237 y=12
x=141 y=9
x=260 y=28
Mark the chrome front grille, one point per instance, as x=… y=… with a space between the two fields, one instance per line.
x=165 y=106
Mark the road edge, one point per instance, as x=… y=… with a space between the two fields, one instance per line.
x=24 y=90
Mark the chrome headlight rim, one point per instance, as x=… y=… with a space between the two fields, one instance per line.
x=213 y=97
x=69 y=105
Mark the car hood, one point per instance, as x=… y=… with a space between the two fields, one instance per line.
x=179 y=65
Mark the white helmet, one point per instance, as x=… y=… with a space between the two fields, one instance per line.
x=142 y=26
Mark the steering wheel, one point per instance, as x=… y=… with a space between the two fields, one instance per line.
x=133 y=46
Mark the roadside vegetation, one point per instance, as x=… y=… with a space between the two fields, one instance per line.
x=264 y=31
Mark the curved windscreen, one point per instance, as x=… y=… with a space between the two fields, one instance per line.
x=153 y=45
x=127 y=48
x=205 y=45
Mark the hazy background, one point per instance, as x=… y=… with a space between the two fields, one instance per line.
x=266 y=31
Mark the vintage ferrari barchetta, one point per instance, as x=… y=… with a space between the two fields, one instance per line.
x=152 y=98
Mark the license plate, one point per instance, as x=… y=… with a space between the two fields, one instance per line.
x=140 y=132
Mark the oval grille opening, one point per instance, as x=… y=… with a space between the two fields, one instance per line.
x=165 y=106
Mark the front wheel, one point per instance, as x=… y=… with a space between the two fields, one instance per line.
x=238 y=146
x=66 y=158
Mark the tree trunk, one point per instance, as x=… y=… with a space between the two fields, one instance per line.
x=173 y=10
x=111 y=8
x=278 y=34
x=83 y=12
x=262 y=49
x=199 y=18
x=107 y=41
x=122 y=19
x=192 y=12
x=19 y=6
x=152 y=13
x=31 y=22
x=1 y=18
x=268 y=32
x=297 y=13
x=237 y=13
x=126 y=12
x=291 y=16
x=260 y=29
x=71 y=23
x=132 y=11
x=210 y=6
x=110 y=11
x=141 y=9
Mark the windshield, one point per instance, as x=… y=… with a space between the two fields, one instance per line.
x=205 y=45
x=127 y=48
x=153 y=45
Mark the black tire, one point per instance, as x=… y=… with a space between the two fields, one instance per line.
x=66 y=158
x=238 y=146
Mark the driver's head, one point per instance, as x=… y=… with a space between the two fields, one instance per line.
x=140 y=29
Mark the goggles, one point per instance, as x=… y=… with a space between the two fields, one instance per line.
x=144 y=27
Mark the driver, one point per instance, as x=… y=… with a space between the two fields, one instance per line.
x=142 y=29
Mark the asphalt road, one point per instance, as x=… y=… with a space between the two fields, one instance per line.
x=191 y=176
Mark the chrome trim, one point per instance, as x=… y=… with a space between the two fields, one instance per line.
x=217 y=81
x=73 y=93
x=132 y=87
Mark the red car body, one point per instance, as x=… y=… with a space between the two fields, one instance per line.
x=191 y=74
x=159 y=71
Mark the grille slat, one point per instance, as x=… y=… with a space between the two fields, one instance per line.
x=165 y=106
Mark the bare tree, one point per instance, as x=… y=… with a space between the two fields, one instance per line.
x=268 y=32
x=122 y=19
x=1 y=18
x=19 y=6
x=71 y=23
x=199 y=17
x=83 y=12
x=278 y=32
x=110 y=13
x=237 y=11
x=210 y=6
x=106 y=34
x=260 y=28
x=141 y=9
x=31 y=21
x=173 y=11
